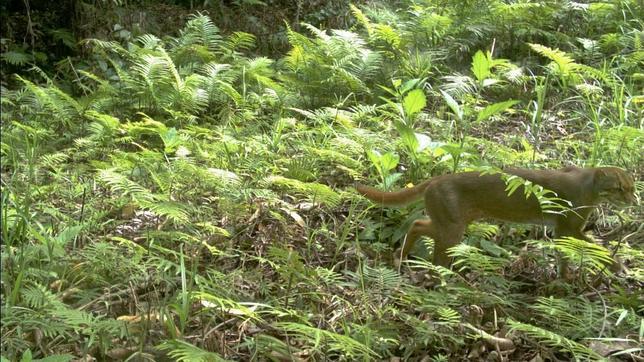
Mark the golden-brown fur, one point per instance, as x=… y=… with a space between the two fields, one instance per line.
x=453 y=201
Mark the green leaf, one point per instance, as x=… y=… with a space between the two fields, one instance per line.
x=407 y=135
x=56 y=358
x=68 y=234
x=492 y=248
x=414 y=102
x=171 y=139
x=409 y=85
x=456 y=108
x=26 y=356
x=389 y=161
x=16 y=57
x=383 y=163
x=495 y=108
x=480 y=66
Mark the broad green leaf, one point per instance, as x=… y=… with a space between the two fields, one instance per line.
x=407 y=135
x=456 y=108
x=383 y=163
x=374 y=157
x=171 y=139
x=480 y=66
x=492 y=248
x=414 y=102
x=410 y=84
x=67 y=235
x=495 y=108
x=389 y=161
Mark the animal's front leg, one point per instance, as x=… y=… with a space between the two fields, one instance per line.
x=450 y=235
x=567 y=228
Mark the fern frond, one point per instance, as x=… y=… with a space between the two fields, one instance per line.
x=122 y=184
x=458 y=85
x=382 y=280
x=321 y=34
x=200 y=30
x=149 y=42
x=172 y=210
x=566 y=315
x=334 y=157
x=51 y=100
x=238 y=41
x=388 y=35
x=16 y=57
x=361 y=18
x=329 y=342
x=542 y=336
x=314 y=192
x=109 y=46
x=39 y=297
x=75 y=319
x=260 y=70
x=590 y=256
x=53 y=160
x=448 y=315
x=562 y=64
x=472 y=258
x=228 y=306
x=482 y=230
x=185 y=352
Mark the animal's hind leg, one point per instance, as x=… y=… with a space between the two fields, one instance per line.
x=419 y=228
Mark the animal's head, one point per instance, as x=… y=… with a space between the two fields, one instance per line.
x=614 y=185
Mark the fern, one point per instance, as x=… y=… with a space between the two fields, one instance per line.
x=314 y=192
x=200 y=30
x=472 y=258
x=143 y=197
x=329 y=343
x=574 y=316
x=238 y=41
x=482 y=230
x=174 y=211
x=38 y=297
x=260 y=72
x=52 y=100
x=217 y=83
x=15 y=57
x=228 y=306
x=122 y=184
x=553 y=340
x=381 y=280
x=333 y=157
x=343 y=56
x=591 y=257
x=184 y=351
x=562 y=65
x=448 y=315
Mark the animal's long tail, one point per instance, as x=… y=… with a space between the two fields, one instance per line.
x=397 y=198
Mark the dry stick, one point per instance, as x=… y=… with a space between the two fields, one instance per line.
x=500 y=343
x=601 y=331
x=30 y=28
x=213 y=329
